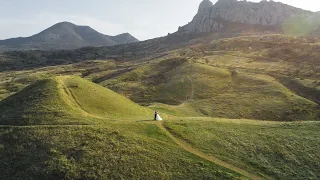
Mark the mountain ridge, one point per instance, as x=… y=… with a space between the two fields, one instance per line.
x=65 y=35
x=216 y=17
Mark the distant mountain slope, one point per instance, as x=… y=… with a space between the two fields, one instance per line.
x=65 y=35
x=123 y=38
x=218 y=17
x=317 y=18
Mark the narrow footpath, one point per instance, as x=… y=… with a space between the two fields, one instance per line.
x=210 y=158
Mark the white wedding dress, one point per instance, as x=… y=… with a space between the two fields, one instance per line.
x=158 y=118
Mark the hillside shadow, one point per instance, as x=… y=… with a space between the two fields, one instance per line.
x=19 y=156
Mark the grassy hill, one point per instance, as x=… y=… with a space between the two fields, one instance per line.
x=66 y=100
x=186 y=88
x=213 y=78
x=133 y=149
x=54 y=125
x=280 y=150
x=293 y=61
x=70 y=128
x=123 y=150
x=103 y=102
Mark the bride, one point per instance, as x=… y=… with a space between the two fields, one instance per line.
x=157 y=116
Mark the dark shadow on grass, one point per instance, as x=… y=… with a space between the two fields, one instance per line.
x=24 y=155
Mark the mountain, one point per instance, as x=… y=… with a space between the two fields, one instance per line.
x=65 y=35
x=218 y=17
x=123 y=38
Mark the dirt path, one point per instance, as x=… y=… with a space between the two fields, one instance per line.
x=76 y=102
x=210 y=158
x=74 y=99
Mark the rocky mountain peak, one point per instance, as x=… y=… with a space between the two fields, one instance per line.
x=205 y=5
x=214 y=17
x=226 y=1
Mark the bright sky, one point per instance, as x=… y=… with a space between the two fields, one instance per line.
x=144 y=19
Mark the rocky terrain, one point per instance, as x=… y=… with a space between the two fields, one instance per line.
x=212 y=18
x=65 y=35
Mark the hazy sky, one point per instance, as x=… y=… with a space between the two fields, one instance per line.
x=144 y=19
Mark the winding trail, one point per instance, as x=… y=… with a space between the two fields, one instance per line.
x=179 y=142
x=210 y=158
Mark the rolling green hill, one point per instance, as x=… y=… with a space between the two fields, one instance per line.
x=256 y=77
x=66 y=100
x=185 y=88
x=56 y=125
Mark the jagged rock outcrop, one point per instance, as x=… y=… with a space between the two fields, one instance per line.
x=213 y=17
x=204 y=6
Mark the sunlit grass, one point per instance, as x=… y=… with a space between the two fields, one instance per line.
x=281 y=150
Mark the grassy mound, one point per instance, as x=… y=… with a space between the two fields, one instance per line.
x=280 y=150
x=185 y=88
x=118 y=151
x=66 y=100
x=103 y=102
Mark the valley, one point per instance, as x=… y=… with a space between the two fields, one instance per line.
x=191 y=87
x=238 y=89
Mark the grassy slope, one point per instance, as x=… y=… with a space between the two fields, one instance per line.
x=52 y=145
x=202 y=90
x=40 y=103
x=66 y=100
x=14 y=81
x=274 y=55
x=114 y=151
x=304 y=87
x=103 y=102
x=281 y=150
x=286 y=58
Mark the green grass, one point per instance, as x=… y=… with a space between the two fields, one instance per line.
x=305 y=87
x=281 y=150
x=193 y=89
x=67 y=100
x=14 y=81
x=45 y=133
x=66 y=127
x=114 y=151
x=102 y=102
x=270 y=54
x=40 y=103
x=193 y=84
